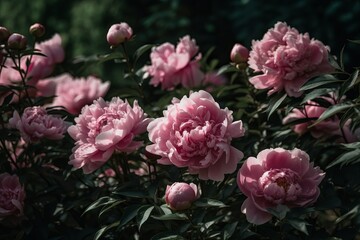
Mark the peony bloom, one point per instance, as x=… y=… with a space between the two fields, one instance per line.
x=171 y=66
x=286 y=60
x=277 y=177
x=328 y=128
x=239 y=54
x=73 y=93
x=180 y=195
x=119 y=33
x=35 y=124
x=12 y=196
x=104 y=127
x=196 y=133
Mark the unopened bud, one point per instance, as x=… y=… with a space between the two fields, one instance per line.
x=37 y=30
x=4 y=34
x=119 y=33
x=239 y=54
x=17 y=41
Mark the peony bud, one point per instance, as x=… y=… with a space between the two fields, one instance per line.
x=4 y=34
x=119 y=33
x=180 y=195
x=17 y=41
x=37 y=30
x=239 y=54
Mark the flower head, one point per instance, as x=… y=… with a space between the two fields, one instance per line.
x=119 y=33
x=72 y=93
x=239 y=54
x=277 y=177
x=286 y=60
x=180 y=195
x=17 y=41
x=196 y=133
x=35 y=123
x=12 y=196
x=104 y=127
x=37 y=30
x=171 y=66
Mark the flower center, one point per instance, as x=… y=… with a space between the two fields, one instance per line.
x=280 y=185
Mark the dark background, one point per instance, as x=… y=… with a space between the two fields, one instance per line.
x=83 y=24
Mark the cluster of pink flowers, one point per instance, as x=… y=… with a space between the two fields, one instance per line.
x=328 y=128
x=171 y=66
x=104 y=127
x=277 y=177
x=12 y=196
x=35 y=123
x=286 y=59
x=196 y=133
x=72 y=93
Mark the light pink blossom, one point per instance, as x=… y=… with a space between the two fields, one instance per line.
x=104 y=127
x=277 y=177
x=196 y=133
x=330 y=127
x=72 y=93
x=286 y=59
x=180 y=195
x=172 y=66
x=119 y=33
x=35 y=123
x=12 y=196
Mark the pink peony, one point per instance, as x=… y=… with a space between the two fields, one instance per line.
x=180 y=195
x=286 y=60
x=327 y=128
x=72 y=93
x=239 y=54
x=277 y=177
x=103 y=128
x=196 y=133
x=12 y=196
x=171 y=66
x=119 y=33
x=35 y=124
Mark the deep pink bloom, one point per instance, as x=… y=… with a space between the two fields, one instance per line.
x=72 y=93
x=196 y=133
x=330 y=127
x=104 y=127
x=277 y=177
x=12 y=196
x=239 y=53
x=286 y=60
x=180 y=195
x=35 y=124
x=119 y=33
x=171 y=66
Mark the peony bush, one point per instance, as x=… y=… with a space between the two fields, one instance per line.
x=178 y=146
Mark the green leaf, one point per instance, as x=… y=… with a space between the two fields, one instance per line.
x=320 y=81
x=140 y=51
x=314 y=94
x=349 y=215
x=227 y=69
x=349 y=83
x=346 y=158
x=229 y=230
x=172 y=216
x=135 y=194
x=99 y=203
x=144 y=215
x=279 y=211
x=206 y=202
x=275 y=103
x=99 y=233
x=332 y=110
x=167 y=236
x=299 y=225
x=129 y=213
